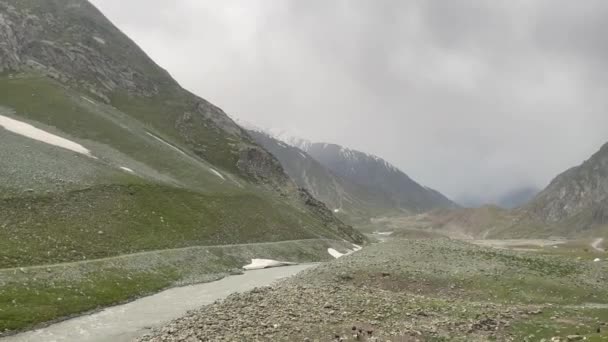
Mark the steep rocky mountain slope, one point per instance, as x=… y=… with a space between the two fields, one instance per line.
x=377 y=173
x=103 y=153
x=353 y=202
x=576 y=200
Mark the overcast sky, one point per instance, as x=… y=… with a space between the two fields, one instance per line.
x=473 y=98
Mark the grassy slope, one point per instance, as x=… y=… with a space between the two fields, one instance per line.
x=78 y=207
x=112 y=220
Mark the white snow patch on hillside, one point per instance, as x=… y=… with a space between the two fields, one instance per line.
x=32 y=132
x=303 y=155
x=88 y=99
x=215 y=172
x=126 y=169
x=336 y=210
x=334 y=253
x=166 y=143
x=258 y=264
x=99 y=40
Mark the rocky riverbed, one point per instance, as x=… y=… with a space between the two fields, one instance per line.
x=404 y=290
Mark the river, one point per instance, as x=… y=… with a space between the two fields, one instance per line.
x=125 y=322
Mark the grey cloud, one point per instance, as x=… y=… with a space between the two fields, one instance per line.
x=471 y=97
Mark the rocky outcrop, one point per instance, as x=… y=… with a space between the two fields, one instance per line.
x=76 y=52
x=261 y=166
x=321 y=210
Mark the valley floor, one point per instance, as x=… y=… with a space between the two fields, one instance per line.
x=417 y=290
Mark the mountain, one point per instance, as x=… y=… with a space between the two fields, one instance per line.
x=374 y=172
x=357 y=185
x=350 y=201
x=103 y=153
x=576 y=200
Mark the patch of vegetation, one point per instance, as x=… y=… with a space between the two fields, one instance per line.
x=591 y=324
x=538 y=265
x=106 y=221
x=163 y=112
x=112 y=134
x=24 y=305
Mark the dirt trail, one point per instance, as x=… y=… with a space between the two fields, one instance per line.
x=123 y=256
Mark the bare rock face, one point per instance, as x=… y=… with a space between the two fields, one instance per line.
x=579 y=194
x=9 y=57
x=321 y=210
x=48 y=38
x=259 y=164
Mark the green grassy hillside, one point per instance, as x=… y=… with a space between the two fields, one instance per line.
x=164 y=167
x=57 y=205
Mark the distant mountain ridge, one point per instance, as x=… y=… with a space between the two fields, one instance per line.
x=512 y=199
x=354 y=183
x=375 y=172
x=518 y=197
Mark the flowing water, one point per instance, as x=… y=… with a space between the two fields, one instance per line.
x=126 y=322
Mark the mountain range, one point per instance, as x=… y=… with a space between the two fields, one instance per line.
x=358 y=186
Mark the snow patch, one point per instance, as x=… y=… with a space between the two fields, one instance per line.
x=99 y=40
x=336 y=210
x=88 y=99
x=258 y=264
x=166 y=143
x=126 y=169
x=215 y=172
x=597 y=260
x=32 y=132
x=334 y=253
